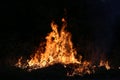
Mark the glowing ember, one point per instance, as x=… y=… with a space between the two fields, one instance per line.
x=103 y=63
x=59 y=49
x=19 y=64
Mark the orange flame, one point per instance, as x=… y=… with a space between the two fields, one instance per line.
x=104 y=63
x=59 y=49
x=19 y=63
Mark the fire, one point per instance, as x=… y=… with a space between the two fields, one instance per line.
x=59 y=49
x=19 y=64
x=104 y=63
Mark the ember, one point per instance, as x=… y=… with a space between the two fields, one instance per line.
x=59 y=49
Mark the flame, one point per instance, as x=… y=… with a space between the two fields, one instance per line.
x=104 y=63
x=59 y=49
x=19 y=64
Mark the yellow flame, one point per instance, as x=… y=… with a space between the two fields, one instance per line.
x=59 y=49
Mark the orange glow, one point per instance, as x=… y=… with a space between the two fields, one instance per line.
x=104 y=63
x=19 y=63
x=59 y=49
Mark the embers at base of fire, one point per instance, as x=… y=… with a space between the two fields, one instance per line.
x=58 y=72
x=72 y=69
x=79 y=69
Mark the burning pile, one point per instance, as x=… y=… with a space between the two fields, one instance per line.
x=59 y=49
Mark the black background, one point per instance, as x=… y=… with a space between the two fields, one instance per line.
x=93 y=23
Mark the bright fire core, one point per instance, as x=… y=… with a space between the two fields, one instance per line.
x=59 y=49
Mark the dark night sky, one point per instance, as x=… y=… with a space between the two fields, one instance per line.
x=23 y=24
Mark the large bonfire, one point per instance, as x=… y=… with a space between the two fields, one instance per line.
x=59 y=49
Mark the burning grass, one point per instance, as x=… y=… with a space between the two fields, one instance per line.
x=59 y=49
